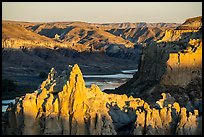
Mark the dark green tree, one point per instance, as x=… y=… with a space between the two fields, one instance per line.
x=8 y=85
x=43 y=75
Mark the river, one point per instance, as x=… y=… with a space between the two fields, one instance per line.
x=103 y=81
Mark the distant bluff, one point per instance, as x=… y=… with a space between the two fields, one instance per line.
x=64 y=106
x=194 y=23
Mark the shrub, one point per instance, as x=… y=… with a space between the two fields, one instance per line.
x=43 y=75
x=8 y=85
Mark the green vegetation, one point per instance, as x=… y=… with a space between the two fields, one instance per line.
x=43 y=75
x=8 y=85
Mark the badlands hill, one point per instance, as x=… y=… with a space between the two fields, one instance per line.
x=97 y=48
x=191 y=24
x=80 y=33
x=142 y=34
x=100 y=34
x=16 y=36
x=88 y=35
x=139 y=25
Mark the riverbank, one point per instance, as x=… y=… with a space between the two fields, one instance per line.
x=109 y=81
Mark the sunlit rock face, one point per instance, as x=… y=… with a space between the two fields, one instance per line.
x=183 y=67
x=175 y=35
x=191 y=24
x=172 y=64
x=64 y=106
x=183 y=31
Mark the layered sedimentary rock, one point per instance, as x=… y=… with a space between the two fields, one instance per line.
x=64 y=106
x=191 y=24
x=175 y=35
x=15 y=37
x=183 y=67
x=173 y=64
x=150 y=70
x=184 y=31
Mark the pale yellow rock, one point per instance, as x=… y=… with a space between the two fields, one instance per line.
x=174 y=35
x=41 y=98
x=183 y=117
x=140 y=123
x=30 y=111
x=56 y=106
x=52 y=124
x=48 y=104
x=182 y=122
x=181 y=65
x=177 y=107
x=77 y=110
x=166 y=118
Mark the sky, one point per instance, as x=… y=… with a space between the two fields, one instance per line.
x=101 y=12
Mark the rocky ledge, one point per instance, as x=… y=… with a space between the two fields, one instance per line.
x=64 y=106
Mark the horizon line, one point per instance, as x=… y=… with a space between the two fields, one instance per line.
x=88 y=22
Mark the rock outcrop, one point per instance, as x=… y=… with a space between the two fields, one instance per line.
x=191 y=24
x=176 y=35
x=17 y=37
x=184 y=66
x=171 y=64
x=150 y=70
x=184 y=31
x=73 y=109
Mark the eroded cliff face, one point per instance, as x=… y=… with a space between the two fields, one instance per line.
x=176 y=35
x=13 y=43
x=64 y=106
x=183 y=67
x=150 y=70
x=173 y=65
x=191 y=24
x=184 y=31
